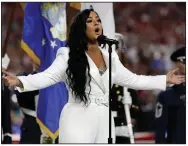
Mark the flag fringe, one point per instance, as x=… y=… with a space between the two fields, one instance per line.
x=29 y=51
x=47 y=131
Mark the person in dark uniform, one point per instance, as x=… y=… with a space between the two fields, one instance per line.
x=122 y=133
x=31 y=133
x=5 y=115
x=6 y=127
x=30 y=130
x=118 y=109
x=170 y=115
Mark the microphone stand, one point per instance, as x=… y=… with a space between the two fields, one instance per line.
x=110 y=102
x=110 y=91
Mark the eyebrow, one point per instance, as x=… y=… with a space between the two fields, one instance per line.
x=95 y=17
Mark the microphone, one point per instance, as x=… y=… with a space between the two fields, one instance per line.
x=103 y=38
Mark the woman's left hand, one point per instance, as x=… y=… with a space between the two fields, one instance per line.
x=172 y=78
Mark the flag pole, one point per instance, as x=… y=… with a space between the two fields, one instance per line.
x=8 y=28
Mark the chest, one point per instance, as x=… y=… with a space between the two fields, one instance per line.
x=98 y=60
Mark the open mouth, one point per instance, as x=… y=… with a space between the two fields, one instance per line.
x=97 y=30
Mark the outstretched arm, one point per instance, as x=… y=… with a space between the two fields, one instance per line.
x=54 y=74
x=126 y=78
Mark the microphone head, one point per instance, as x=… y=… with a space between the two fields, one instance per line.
x=101 y=38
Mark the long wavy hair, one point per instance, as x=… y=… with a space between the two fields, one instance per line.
x=78 y=65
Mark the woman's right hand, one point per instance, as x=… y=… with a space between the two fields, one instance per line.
x=10 y=79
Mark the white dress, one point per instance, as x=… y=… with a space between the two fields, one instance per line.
x=89 y=124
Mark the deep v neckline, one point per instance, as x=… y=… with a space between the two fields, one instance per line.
x=96 y=65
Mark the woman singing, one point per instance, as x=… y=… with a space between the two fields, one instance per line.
x=83 y=66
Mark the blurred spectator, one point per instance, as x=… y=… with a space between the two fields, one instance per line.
x=151 y=32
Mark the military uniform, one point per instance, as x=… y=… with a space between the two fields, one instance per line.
x=30 y=130
x=5 y=116
x=119 y=111
x=170 y=116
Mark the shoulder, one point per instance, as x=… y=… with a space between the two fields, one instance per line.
x=64 y=52
x=115 y=55
x=166 y=96
x=167 y=91
x=161 y=96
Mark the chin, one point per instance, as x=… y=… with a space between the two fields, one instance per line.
x=97 y=36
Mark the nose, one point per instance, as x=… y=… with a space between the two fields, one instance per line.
x=96 y=22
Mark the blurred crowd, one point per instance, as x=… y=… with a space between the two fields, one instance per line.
x=12 y=20
x=152 y=31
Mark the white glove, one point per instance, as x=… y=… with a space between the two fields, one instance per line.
x=122 y=131
x=45 y=138
x=127 y=97
x=5 y=61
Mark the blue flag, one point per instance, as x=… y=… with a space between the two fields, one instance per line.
x=44 y=32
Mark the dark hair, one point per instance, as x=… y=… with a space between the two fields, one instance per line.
x=78 y=65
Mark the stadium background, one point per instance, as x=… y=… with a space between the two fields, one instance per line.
x=151 y=32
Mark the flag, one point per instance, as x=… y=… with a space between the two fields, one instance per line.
x=44 y=32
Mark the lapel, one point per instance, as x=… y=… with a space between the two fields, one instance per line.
x=106 y=59
x=94 y=72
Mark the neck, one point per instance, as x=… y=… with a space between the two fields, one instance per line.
x=93 y=47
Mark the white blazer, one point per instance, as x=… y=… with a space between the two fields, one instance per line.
x=99 y=84
x=77 y=123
